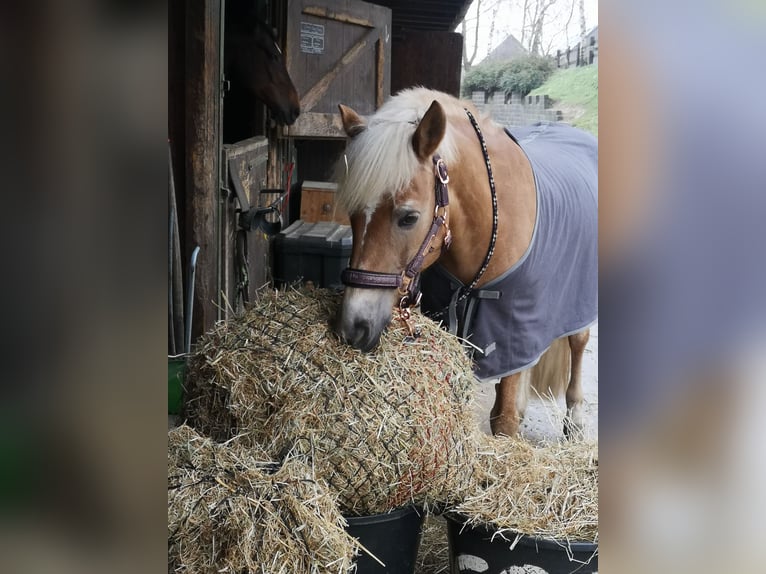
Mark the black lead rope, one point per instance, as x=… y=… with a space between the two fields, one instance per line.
x=464 y=292
x=493 y=238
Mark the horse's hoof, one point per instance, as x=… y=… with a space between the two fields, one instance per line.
x=504 y=426
x=572 y=430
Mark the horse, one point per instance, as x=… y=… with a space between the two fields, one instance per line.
x=496 y=230
x=254 y=68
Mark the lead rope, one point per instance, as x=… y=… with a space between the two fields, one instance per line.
x=493 y=238
x=406 y=318
x=466 y=291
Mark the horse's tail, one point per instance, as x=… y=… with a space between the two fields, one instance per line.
x=550 y=376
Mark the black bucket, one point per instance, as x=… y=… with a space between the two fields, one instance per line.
x=394 y=538
x=473 y=550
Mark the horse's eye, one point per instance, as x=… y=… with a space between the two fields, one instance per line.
x=409 y=219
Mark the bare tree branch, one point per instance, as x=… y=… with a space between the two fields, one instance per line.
x=524 y=11
x=495 y=9
x=468 y=62
x=569 y=20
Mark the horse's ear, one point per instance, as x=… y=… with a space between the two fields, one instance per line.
x=429 y=132
x=353 y=123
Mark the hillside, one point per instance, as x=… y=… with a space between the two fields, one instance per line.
x=575 y=92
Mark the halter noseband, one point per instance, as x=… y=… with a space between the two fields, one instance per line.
x=407 y=282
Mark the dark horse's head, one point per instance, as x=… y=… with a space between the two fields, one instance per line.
x=254 y=63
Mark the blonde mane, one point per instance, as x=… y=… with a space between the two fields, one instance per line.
x=380 y=161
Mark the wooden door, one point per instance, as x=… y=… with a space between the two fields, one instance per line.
x=245 y=254
x=338 y=51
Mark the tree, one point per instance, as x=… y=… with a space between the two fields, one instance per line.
x=533 y=24
x=519 y=76
x=468 y=62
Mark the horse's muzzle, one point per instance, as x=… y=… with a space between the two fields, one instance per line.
x=359 y=335
x=286 y=116
x=293 y=115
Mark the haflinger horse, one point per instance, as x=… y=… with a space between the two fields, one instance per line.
x=255 y=67
x=503 y=227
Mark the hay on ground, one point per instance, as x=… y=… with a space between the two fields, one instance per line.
x=383 y=429
x=548 y=491
x=231 y=509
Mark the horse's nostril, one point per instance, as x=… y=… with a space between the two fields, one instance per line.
x=361 y=333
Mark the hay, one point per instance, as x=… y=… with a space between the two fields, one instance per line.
x=383 y=429
x=433 y=554
x=230 y=509
x=547 y=491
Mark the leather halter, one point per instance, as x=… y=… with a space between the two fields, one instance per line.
x=407 y=282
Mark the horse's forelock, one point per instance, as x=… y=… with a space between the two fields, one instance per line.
x=380 y=160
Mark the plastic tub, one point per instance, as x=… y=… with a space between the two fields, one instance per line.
x=316 y=252
x=475 y=550
x=176 y=367
x=394 y=538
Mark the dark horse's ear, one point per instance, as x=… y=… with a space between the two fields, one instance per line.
x=353 y=123
x=429 y=132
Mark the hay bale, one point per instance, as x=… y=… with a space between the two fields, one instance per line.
x=384 y=429
x=548 y=490
x=231 y=509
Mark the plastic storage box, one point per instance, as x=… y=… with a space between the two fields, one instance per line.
x=316 y=252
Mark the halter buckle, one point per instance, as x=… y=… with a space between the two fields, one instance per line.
x=441 y=171
x=447 y=239
x=405 y=302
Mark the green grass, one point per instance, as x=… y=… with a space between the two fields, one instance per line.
x=576 y=90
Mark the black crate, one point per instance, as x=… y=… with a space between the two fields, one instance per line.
x=316 y=252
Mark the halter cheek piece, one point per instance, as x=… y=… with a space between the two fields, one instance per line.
x=407 y=282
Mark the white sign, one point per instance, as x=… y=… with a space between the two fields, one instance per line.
x=312 y=38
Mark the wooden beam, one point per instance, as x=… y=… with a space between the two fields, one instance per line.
x=203 y=19
x=322 y=12
x=380 y=71
x=313 y=124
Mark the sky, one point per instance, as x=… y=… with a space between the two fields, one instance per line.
x=509 y=20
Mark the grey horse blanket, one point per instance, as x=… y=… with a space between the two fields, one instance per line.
x=552 y=291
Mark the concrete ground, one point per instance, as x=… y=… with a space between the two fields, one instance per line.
x=544 y=420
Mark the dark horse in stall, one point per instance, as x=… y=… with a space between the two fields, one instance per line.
x=254 y=68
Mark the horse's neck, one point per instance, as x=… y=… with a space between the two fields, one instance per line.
x=471 y=207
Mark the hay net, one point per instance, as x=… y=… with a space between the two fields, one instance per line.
x=231 y=509
x=384 y=429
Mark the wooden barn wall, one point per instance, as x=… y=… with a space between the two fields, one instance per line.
x=429 y=59
x=338 y=51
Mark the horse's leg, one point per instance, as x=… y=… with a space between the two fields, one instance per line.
x=574 y=420
x=505 y=416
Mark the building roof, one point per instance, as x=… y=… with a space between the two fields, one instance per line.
x=434 y=15
x=509 y=49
